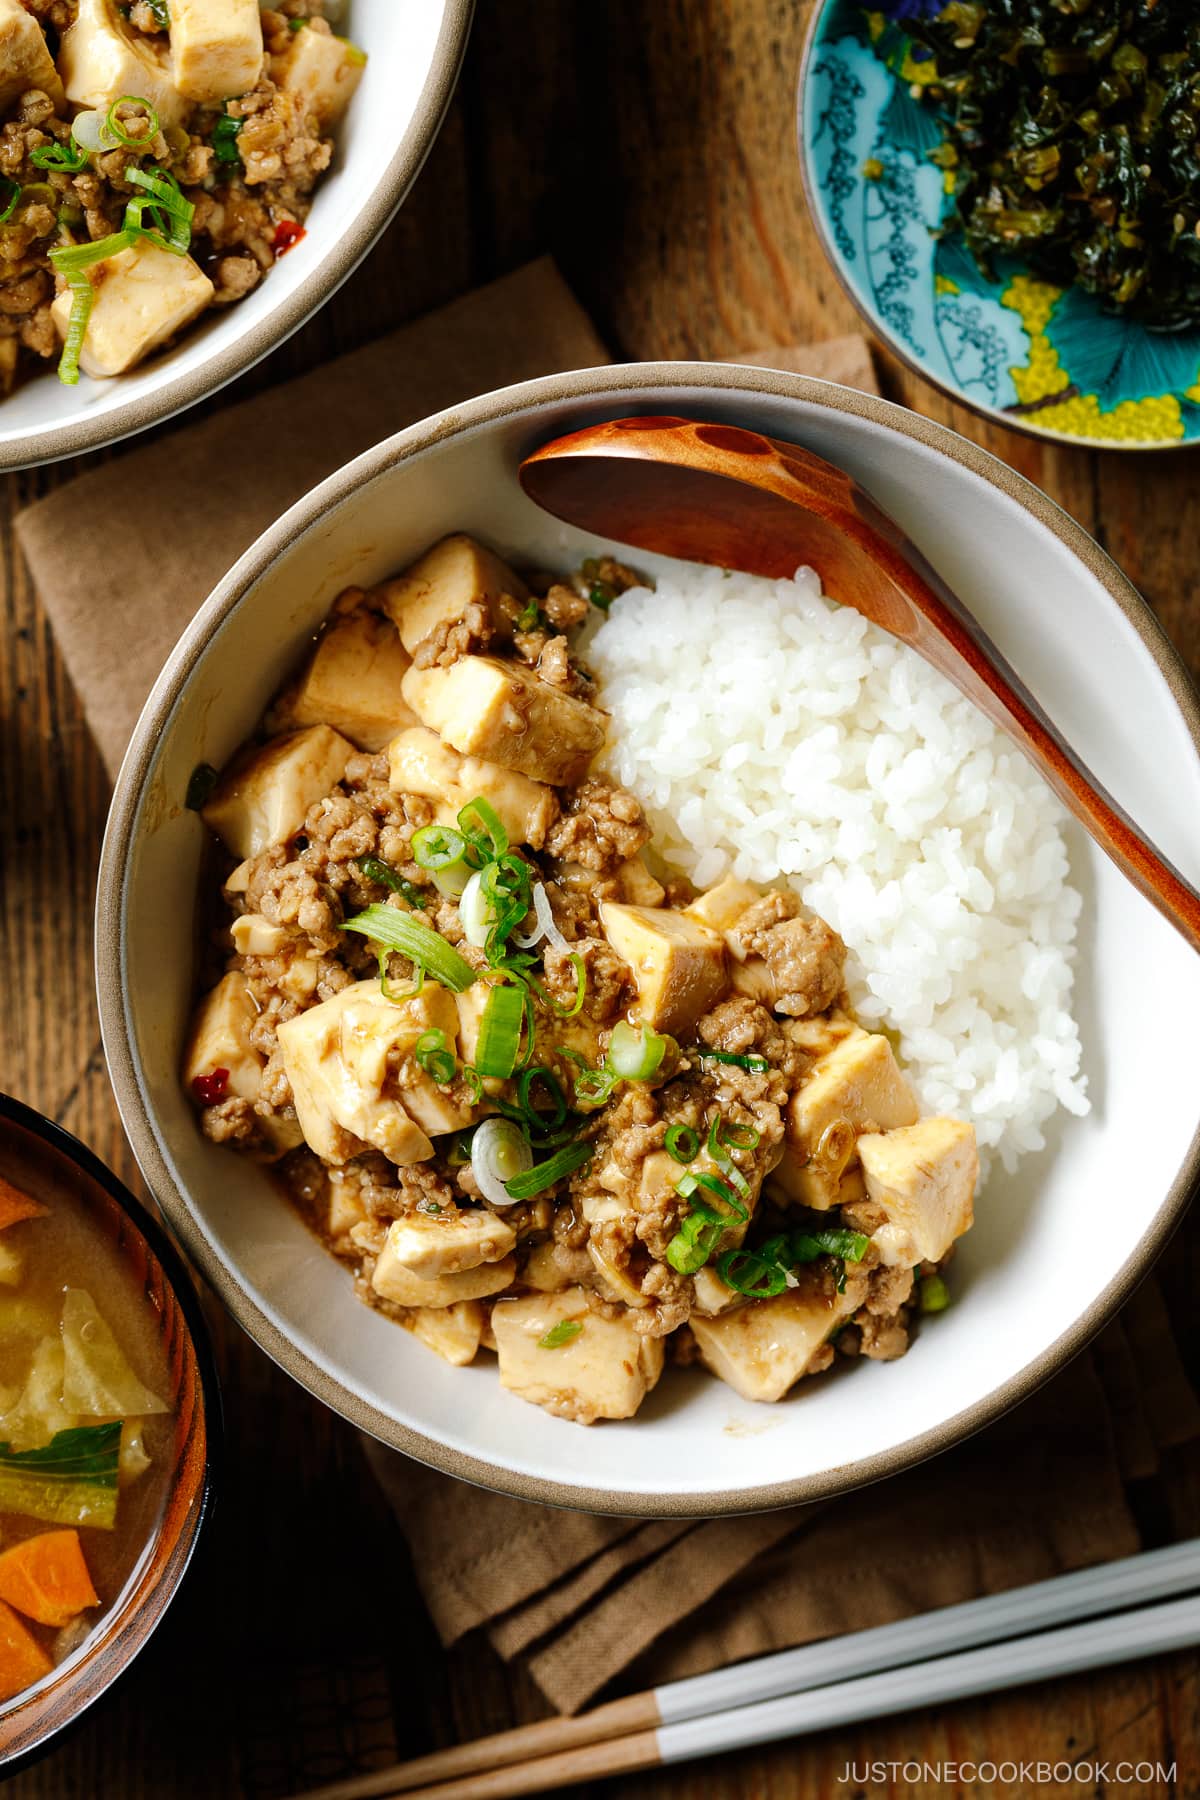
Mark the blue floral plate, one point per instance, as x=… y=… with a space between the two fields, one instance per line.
x=1041 y=358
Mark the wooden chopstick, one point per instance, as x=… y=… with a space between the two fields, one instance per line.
x=1125 y=1637
x=1020 y=1612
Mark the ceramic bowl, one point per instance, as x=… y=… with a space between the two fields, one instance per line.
x=414 y=48
x=40 y=1156
x=1032 y=355
x=1056 y=1247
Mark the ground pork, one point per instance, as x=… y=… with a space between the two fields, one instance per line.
x=804 y=956
x=601 y=826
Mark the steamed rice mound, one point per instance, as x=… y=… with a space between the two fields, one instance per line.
x=771 y=732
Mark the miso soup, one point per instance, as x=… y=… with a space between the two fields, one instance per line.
x=86 y=1424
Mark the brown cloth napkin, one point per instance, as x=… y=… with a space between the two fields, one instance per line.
x=581 y=1599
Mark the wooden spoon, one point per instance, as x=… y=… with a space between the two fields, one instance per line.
x=719 y=494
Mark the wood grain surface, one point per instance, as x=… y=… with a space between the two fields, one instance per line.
x=650 y=147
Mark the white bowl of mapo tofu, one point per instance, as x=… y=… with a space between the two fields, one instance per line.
x=547 y=1101
x=491 y=1127
x=181 y=185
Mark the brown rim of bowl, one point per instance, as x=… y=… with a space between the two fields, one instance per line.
x=75 y=436
x=584 y=387
x=1011 y=421
x=158 y=1578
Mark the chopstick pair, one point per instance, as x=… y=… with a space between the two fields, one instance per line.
x=1057 y=1627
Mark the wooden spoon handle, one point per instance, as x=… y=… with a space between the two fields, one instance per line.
x=720 y=494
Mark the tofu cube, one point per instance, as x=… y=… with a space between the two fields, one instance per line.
x=255 y=936
x=143 y=296
x=433 y=1244
x=394 y=1282
x=343 y=1207
x=420 y=763
x=221 y=1038
x=712 y=1295
x=439 y=587
x=216 y=47
x=604 y=1371
x=723 y=905
x=679 y=965
x=503 y=712
x=338 y=1058
x=637 y=886
x=101 y=59
x=541 y=1270
x=764 y=1348
x=12 y=1264
x=353 y=682
x=454 y=1332
x=855 y=1087
x=923 y=1176
x=25 y=59
x=321 y=73
x=264 y=795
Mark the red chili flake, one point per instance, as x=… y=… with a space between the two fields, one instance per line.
x=208 y=1089
x=287 y=233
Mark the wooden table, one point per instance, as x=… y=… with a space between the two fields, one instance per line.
x=651 y=148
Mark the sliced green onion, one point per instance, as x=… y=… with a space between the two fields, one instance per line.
x=474 y=1081
x=437 y=846
x=694 y=1242
x=422 y=945
x=682 y=1143
x=124 y=138
x=544 y=1175
x=737 y=1137
x=59 y=158
x=688 y=1184
x=163 y=198
x=475 y=911
x=442 y=850
x=635 y=1052
x=68 y=259
x=540 y=1121
x=480 y=825
x=82 y=296
x=458 y=1148
x=751 y=1273
x=720 y=1155
x=376 y=870
x=592 y=1086
x=548 y=1000
x=500 y=1032
x=757 y=1065
x=560 y=1334
x=224 y=140
x=161 y=11
x=934 y=1294
x=527 y=618
x=805 y=1246
x=14 y=194
x=432 y=1056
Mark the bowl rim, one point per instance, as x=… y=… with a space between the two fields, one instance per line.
x=1025 y=424
x=58 y=1138
x=73 y=437
x=621 y=383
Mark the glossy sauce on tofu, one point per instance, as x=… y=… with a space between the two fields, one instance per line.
x=85 y=1422
x=545 y=1098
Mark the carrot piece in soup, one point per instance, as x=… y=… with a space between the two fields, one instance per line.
x=15 y=1206
x=22 y=1659
x=46 y=1578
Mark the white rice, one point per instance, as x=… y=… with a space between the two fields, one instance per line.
x=771 y=732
